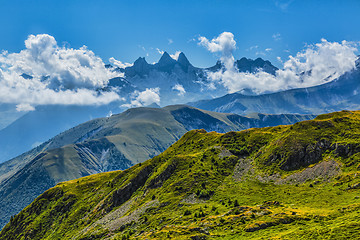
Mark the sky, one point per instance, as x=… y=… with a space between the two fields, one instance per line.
x=127 y=30
x=54 y=52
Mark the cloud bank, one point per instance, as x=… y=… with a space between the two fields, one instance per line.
x=144 y=98
x=180 y=89
x=45 y=73
x=316 y=64
x=119 y=64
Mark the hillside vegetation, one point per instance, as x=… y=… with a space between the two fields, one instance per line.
x=288 y=182
x=112 y=143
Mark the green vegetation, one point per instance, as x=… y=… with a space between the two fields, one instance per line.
x=287 y=182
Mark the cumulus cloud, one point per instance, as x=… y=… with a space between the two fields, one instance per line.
x=316 y=64
x=144 y=98
x=180 y=88
x=24 y=107
x=224 y=43
x=45 y=73
x=118 y=63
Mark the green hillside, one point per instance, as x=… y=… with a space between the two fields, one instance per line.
x=288 y=182
x=112 y=143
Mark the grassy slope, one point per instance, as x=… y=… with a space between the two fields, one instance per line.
x=108 y=144
x=190 y=190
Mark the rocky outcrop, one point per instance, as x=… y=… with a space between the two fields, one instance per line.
x=346 y=150
x=165 y=175
x=123 y=194
x=304 y=156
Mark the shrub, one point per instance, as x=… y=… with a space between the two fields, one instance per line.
x=187 y=212
x=205 y=193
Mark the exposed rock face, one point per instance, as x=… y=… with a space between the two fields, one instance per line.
x=165 y=175
x=249 y=65
x=305 y=156
x=123 y=194
x=347 y=150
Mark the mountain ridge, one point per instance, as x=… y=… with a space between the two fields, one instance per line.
x=336 y=95
x=111 y=143
x=211 y=185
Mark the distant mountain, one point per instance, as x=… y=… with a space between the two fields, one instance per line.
x=287 y=182
x=38 y=126
x=342 y=93
x=8 y=114
x=111 y=143
x=168 y=72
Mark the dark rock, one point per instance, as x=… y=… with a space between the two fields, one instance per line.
x=123 y=194
x=199 y=237
x=166 y=174
x=355 y=186
x=346 y=150
x=303 y=156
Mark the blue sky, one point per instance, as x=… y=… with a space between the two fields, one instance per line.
x=129 y=29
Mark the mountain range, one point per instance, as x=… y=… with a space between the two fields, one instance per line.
x=339 y=94
x=111 y=143
x=297 y=181
x=35 y=127
x=38 y=126
x=168 y=73
x=39 y=161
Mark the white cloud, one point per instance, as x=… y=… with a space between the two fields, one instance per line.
x=159 y=51
x=225 y=44
x=180 y=88
x=109 y=114
x=276 y=36
x=144 y=98
x=118 y=63
x=170 y=41
x=175 y=56
x=317 y=64
x=24 y=107
x=59 y=75
x=268 y=49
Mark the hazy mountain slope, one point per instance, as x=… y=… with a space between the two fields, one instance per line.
x=40 y=125
x=339 y=94
x=8 y=114
x=290 y=182
x=112 y=143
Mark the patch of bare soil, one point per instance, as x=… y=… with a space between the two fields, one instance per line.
x=323 y=171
